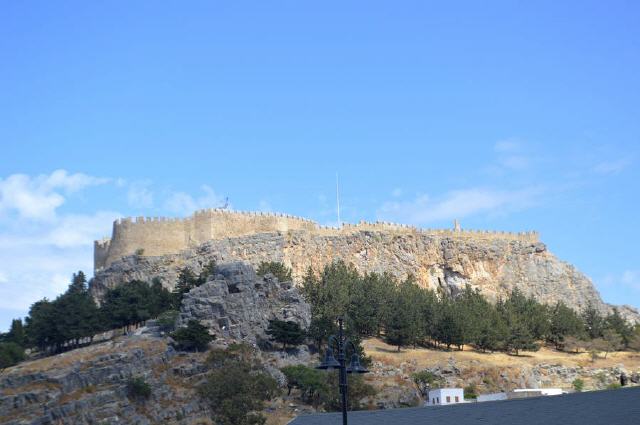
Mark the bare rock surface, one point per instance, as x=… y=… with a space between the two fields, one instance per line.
x=495 y=266
x=89 y=386
x=237 y=304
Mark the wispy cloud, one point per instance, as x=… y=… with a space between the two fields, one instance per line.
x=140 y=195
x=613 y=166
x=511 y=155
x=37 y=198
x=459 y=204
x=183 y=203
x=628 y=278
x=39 y=246
x=631 y=278
x=508 y=145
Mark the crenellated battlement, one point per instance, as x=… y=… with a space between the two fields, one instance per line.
x=163 y=235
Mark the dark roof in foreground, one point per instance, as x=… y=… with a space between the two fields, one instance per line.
x=590 y=408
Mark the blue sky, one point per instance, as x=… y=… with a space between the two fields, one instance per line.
x=509 y=116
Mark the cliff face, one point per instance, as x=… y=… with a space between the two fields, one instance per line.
x=493 y=265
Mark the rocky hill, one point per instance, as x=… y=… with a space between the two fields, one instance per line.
x=90 y=385
x=494 y=265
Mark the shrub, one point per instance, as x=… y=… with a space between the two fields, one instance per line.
x=470 y=392
x=138 y=389
x=614 y=386
x=194 y=337
x=578 y=384
x=358 y=389
x=279 y=270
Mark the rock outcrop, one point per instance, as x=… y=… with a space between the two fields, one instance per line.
x=493 y=265
x=89 y=386
x=235 y=303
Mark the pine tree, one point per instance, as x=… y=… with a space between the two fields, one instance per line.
x=16 y=333
x=193 y=337
x=286 y=332
x=564 y=322
x=593 y=321
x=619 y=325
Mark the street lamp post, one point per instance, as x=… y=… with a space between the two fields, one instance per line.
x=330 y=362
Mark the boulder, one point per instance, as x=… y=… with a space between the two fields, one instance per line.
x=237 y=304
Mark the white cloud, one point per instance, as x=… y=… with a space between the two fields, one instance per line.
x=184 y=204
x=458 y=204
x=612 y=167
x=37 y=198
x=140 y=195
x=39 y=247
x=79 y=230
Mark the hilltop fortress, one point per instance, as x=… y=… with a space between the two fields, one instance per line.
x=155 y=236
x=441 y=259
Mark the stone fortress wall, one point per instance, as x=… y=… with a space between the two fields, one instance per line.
x=154 y=236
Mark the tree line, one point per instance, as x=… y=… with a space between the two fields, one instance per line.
x=74 y=318
x=405 y=314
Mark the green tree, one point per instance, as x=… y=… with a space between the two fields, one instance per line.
x=329 y=297
x=279 y=270
x=450 y=326
x=138 y=389
x=10 y=354
x=133 y=303
x=311 y=382
x=235 y=390
x=398 y=327
x=167 y=320
x=160 y=299
x=358 y=389
x=564 y=322
x=620 y=326
x=41 y=328
x=286 y=332
x=16 y=333
x=520 y=338
x=425 y=381
x=492 y=333
x=193 y=337
x=187 y=280
x=209 y=269
x=77 y=312
x=368 y=303
x=593 y=321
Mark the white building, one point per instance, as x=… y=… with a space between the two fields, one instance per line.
x=520 y=393
x=444 y=396
x=491 y=397
x=542 y=391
